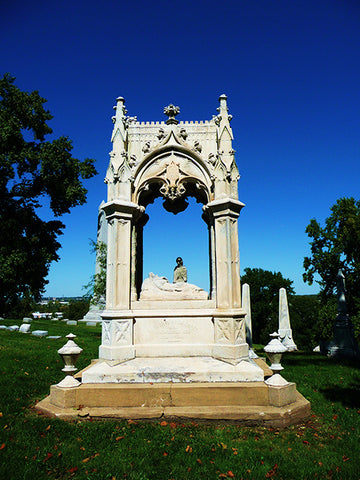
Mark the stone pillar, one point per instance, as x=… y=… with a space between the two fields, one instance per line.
x=225 y=213
x=117 y=329
x=229 y=319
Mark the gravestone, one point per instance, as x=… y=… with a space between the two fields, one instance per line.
x=24 y=328
x=285 y=332
x=168 y=348
x=246 y=305
x=343 y=343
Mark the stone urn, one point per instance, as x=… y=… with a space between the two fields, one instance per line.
x=274 y=351
x=70 y=353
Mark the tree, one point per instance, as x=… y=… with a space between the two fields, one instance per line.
x=32 y=168
x=264 y=291
x=96 y=288
x=336 y=246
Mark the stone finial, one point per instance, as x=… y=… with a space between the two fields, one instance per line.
x=171 y=111
x=285 y=331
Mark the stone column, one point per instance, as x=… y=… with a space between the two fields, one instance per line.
x=229 y=323
x=117 y=329
x=225 y=213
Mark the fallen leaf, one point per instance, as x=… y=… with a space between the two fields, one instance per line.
x=188 y=449
x=2 y=446
x=165 y=454
x=224 y=446
x=199 y=461
x=306 y=442
x=172 y=425
x=163 y=423
x=72 y=469
x=48 y=455
x=1 y=414
x=230 y=474
x=119 y=438
x=86 y=459
x=48 y=427
x=345 y=458
x=131 y=422
x=223 y=475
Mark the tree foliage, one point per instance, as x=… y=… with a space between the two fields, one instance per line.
x=96 y=288
x=264 y=292
x=335 y=246
x=32 y=168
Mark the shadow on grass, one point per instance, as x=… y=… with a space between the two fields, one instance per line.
x=304 y=359
x=347 y=396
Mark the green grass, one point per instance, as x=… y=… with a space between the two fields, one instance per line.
x=326 y=446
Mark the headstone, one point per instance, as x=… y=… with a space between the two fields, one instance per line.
x=71 y=322
x=24 y=328
x=40 y=333
x=3 y=327
x=285 y=331
x=246 y=305
x=343 y=343
x=91 y=324
x=54 y=337
x=27 y=320
x=13 y=328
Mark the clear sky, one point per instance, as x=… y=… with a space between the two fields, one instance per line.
x=290 y=69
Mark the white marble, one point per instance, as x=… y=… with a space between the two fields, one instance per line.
x=13 y=328
x=276 y=381
x=40 y=333
x=24 y=328
x=173 y=369
x=285 y=331
x=69 y=382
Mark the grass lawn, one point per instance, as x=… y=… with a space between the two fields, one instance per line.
x=327 y=445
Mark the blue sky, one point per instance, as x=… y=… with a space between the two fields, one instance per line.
x=290 y=69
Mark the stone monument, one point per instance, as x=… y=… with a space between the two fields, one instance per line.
x=343 y=343
x=246 y=305
x=169 y=348
x=97 y=305
x=285 y=332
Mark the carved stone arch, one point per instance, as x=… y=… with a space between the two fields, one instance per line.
x=173 y=173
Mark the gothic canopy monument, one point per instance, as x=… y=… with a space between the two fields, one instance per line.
x=169 y=348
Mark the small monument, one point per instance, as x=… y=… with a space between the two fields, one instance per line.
x=285 y=332
x=97 y=304
x=246 y=305
x=343 y=343
x=170 y=348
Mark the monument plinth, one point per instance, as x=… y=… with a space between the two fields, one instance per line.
x=169 y=348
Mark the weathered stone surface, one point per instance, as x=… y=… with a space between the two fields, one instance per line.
x=13 y=328
x=71 y=322
x=24 y=328
x=173 y=369
x=285 y=331
x=159 y=288
x=40 y=333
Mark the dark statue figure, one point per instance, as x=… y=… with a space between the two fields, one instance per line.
x=180 y=272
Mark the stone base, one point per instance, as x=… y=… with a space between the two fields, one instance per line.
x=252 y=403
x=172 y=369
x=249 y=403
